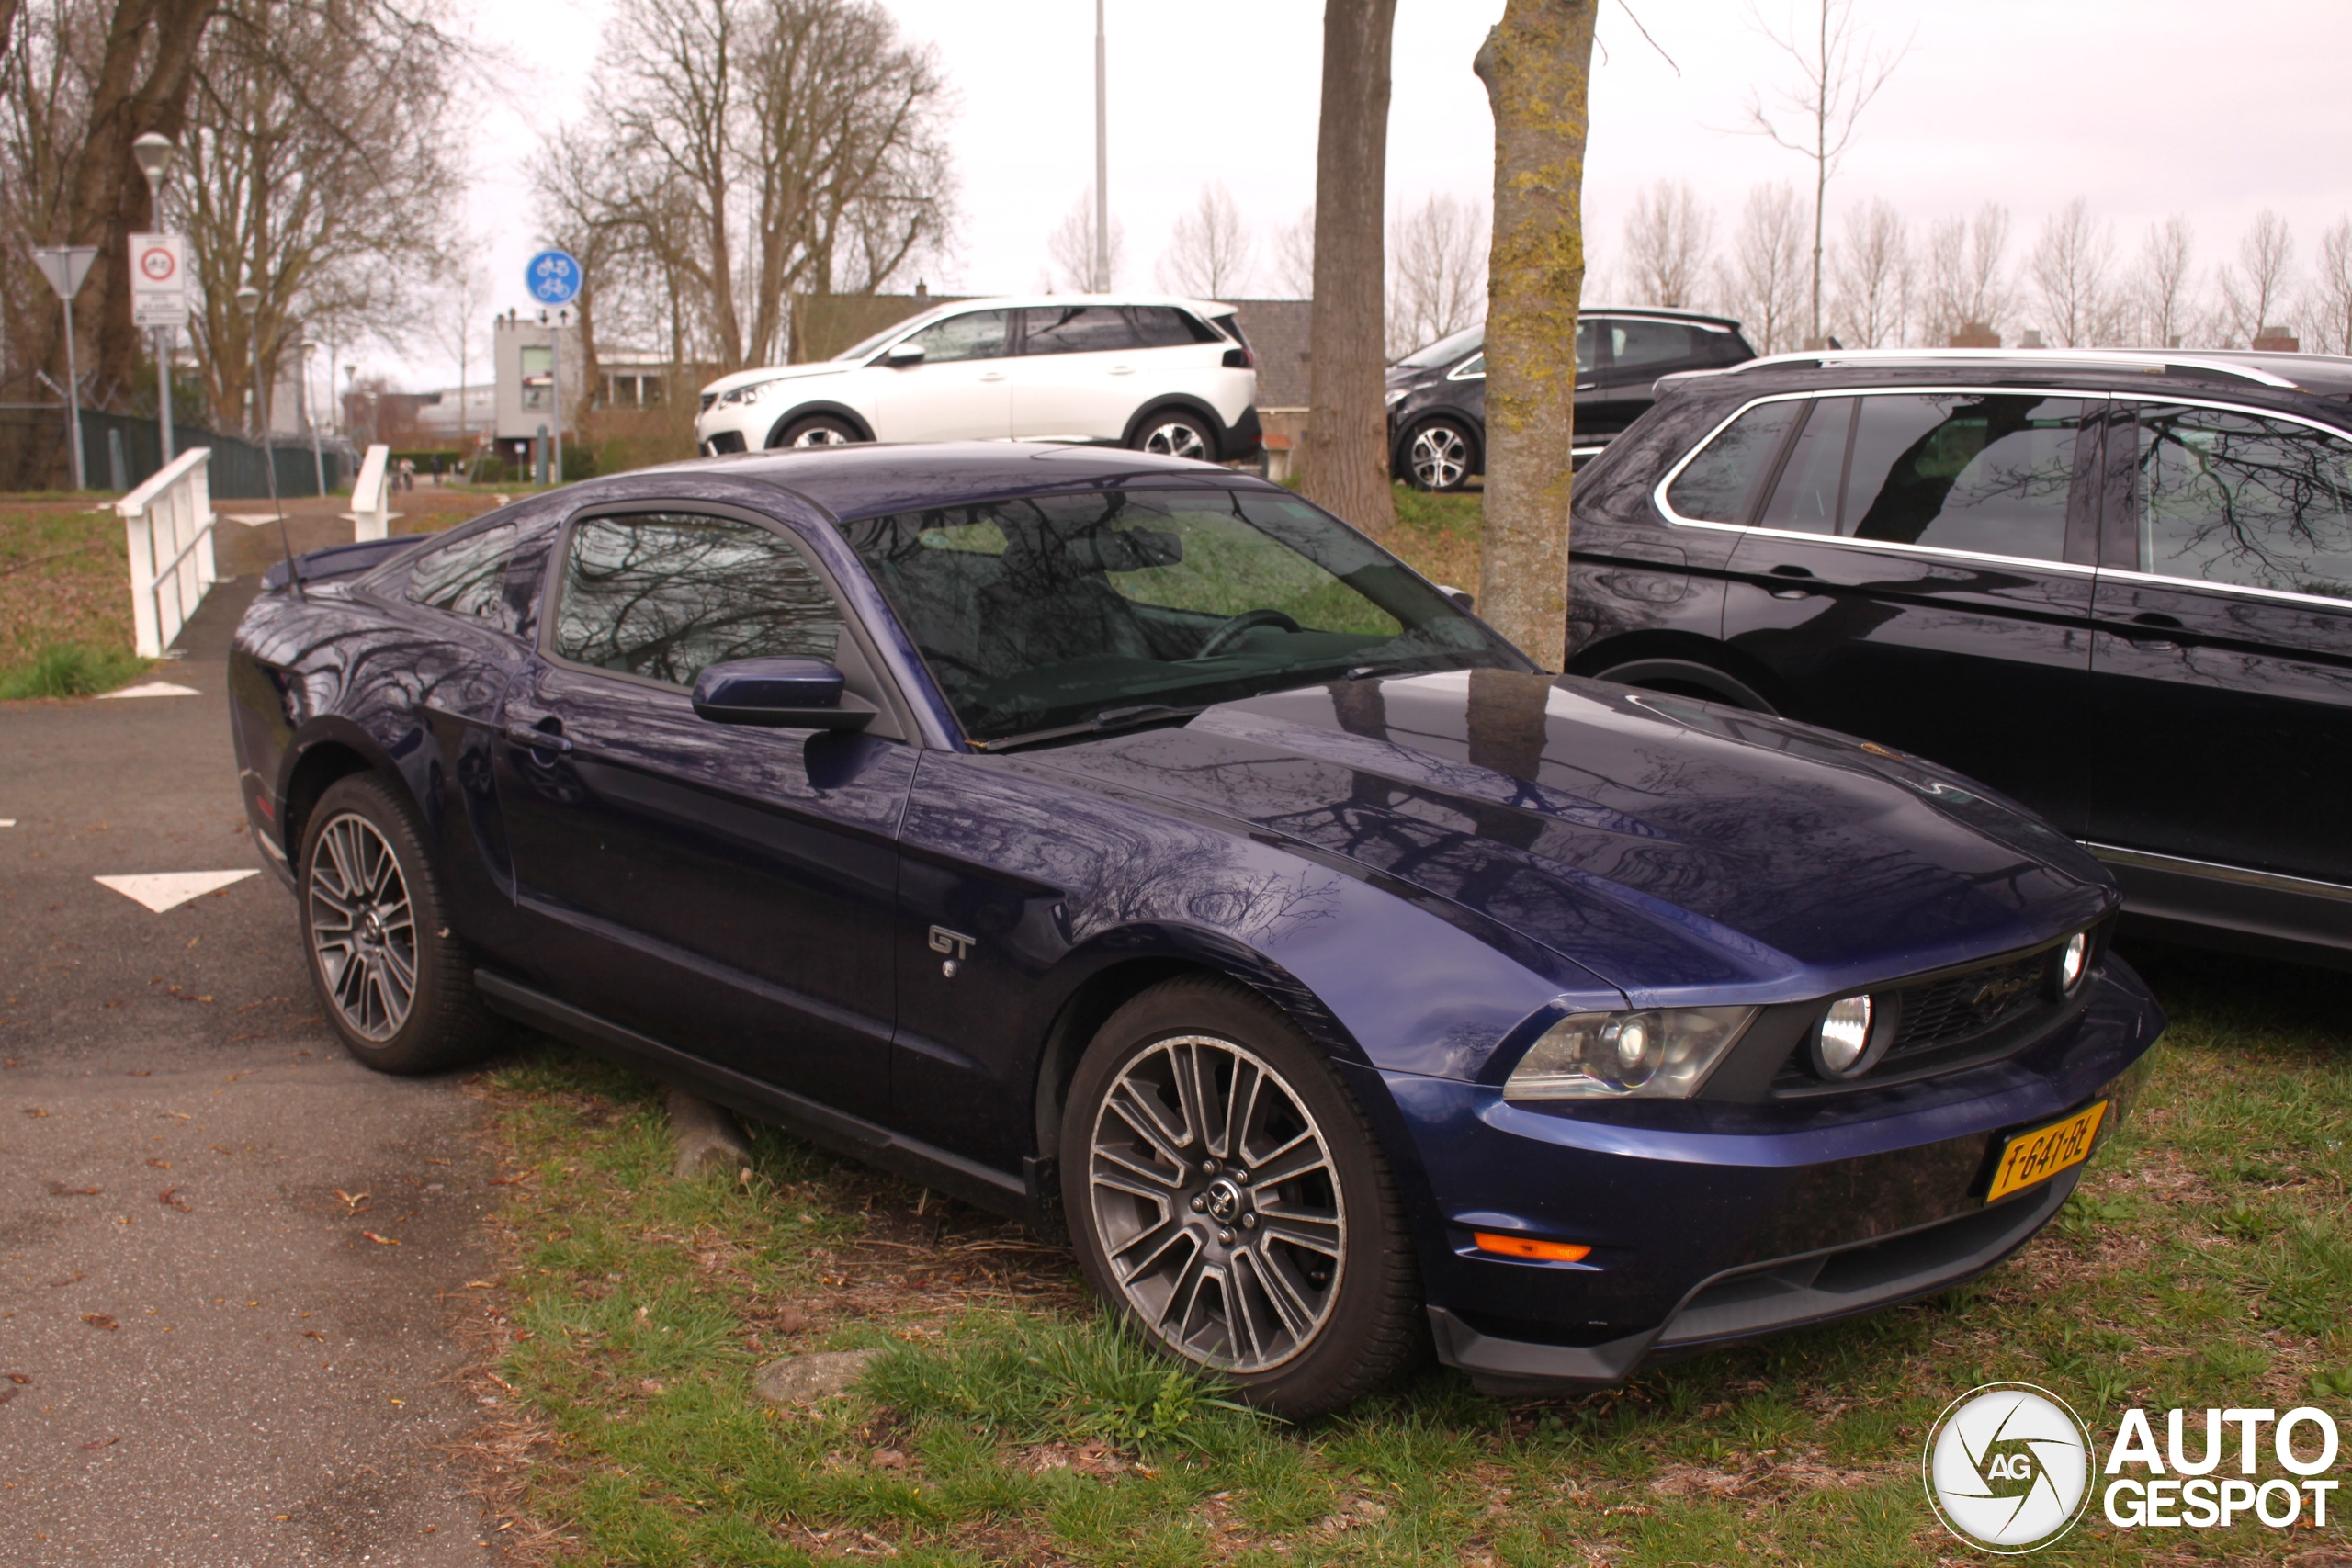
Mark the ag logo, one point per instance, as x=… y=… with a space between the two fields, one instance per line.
x=2009 y=1468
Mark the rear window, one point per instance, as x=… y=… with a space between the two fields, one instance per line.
x=1645 y=345
x=1164 y=326
x=1077 y=328
x=1717 y=484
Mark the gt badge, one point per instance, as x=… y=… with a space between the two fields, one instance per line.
x=955 y=944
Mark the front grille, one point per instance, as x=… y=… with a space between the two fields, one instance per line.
x=1961 y=1008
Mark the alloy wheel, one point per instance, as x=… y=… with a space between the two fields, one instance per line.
x=1176 y=439
x=1438 y=458
x=361 y=927
x=1216 y=1204
x=821 y=435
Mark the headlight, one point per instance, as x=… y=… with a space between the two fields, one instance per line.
x=1396 y=395
x=1843 y=1042
x=2073 y=963
x=1663 y=1054
x=751 y=393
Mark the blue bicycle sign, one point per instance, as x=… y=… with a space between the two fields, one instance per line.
x=553 y=278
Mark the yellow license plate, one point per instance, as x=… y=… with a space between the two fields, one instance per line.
x=2037 y=1156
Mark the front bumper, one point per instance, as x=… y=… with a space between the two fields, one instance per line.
x=1713 y=1224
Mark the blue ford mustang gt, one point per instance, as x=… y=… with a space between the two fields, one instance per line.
x=1125 y=844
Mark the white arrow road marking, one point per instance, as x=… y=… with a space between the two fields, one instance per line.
x=155 y=689
x=168 y=889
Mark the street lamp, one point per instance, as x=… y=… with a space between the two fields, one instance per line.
x=155 y=155
x=318 y=461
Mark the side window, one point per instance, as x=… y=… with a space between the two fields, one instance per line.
x=976 y=334
x=1588 y=351
x=1165 y=326
x=662 y=595
x=1471 y=369
x=1988 y=475
x=1805 y=500
x=1716 y=485
x=2254 y=502
x=468 y=576
x=1650 y=346
x=1076 y=329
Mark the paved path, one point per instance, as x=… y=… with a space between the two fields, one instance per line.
x=218 y=1365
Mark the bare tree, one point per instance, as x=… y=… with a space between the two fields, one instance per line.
x=1763 y=281
x=2070 y=264
x=2327 y=314
x=1967 y=275
x=1210 y=255
x=1669 y=239
x=2159 y=285
x=1437 y=272
x=462 y=298
x=2253 y=292
x=1343 y=459
x=1872 y=267
x=1537 y=65
x=1838 y=74
x=1294 y=256
x=1070 y=248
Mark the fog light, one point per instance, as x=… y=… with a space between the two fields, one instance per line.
x=1841 y=1046
x=2073 y=963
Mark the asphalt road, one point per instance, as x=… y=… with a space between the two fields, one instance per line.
x=207 y=1359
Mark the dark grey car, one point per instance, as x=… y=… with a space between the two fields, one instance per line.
x=1437 y=395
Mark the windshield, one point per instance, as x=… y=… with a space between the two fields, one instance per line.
x=1445 y=350
x=1053 y=610
x=864 y=346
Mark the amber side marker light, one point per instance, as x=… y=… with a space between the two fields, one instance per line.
x=1527 y=1246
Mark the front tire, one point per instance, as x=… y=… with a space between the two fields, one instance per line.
x=1440 y=454
x=818 y=430
x=1227 y=1198
x=397 y=983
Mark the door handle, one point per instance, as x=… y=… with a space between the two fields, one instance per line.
x=1122 y=370
x=537 y=739
x=1792 y=574
x=992 y=376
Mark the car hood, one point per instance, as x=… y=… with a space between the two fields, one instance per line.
x=1679 y=849
x=777 y=373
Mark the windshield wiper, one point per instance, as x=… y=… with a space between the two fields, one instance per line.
x=1108 y=719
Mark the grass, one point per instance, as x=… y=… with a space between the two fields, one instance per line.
x=2206 y=1260
x=64 y=611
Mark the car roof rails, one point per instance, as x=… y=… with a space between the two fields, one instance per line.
x=2152 y=361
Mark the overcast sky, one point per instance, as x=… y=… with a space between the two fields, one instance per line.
x=2145 y=106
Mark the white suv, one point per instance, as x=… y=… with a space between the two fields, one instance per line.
x=1162 y=375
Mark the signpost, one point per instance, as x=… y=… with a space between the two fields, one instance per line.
x=159 y=303
x=554 y=278
x=65 y=266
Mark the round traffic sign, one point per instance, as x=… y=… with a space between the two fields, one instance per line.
x=553 y=278
x=158 y=263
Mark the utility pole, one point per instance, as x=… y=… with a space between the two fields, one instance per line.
x=1101 y=160
x=155 y=155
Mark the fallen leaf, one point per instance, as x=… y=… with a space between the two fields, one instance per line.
x=170 y=1198
x=58 y=1189
x=161 y=1164
x=351 y=1200
x=108 y=1443
x=100 y=1320
x=479 y=1285
x=61 y=1284
x=31 y=1112
x=494 y=1181
x=20 y=1378
x=312 y=1334
x=887 y=1459
x=649 y=1386
x=381 y=1240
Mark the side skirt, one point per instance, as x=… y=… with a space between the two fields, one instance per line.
x=983 y=1186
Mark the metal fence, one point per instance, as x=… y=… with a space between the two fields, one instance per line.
x=121 y=452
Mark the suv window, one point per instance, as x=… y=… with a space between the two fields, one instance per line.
x=976 y=334
x=1716 y=485
x=1642 y=345
x=1076 y=329
x=468 y=576
x=1806 y=501
x=663 y=595
x=1958 y=471
x=1164 y=326
x=2233 y=499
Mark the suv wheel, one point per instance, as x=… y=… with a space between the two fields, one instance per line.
x=1227 y=1198
x=397 y=982
x=819 y=430
x=1174 y=434
x=1440 y=454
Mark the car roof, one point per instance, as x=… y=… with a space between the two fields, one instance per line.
x=1017 y=301
x=2207 y=370
x=1663 y=313
x=870 y=479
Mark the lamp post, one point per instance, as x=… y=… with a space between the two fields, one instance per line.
x=317 y=460
x=249 y=301
x=156 y=155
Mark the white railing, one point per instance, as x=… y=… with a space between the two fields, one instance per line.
x=168 y=525
x=371 y=504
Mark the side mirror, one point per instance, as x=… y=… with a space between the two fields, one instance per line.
x=781 y=694
x=902 y=356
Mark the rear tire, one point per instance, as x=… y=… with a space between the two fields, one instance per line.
x=397 y=982
x=818 y=430
x=1275 y=1256
x=1172 y=433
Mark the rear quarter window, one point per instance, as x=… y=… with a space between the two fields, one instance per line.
x=1718 y=484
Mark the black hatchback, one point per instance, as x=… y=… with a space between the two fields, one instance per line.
x=2115 y=586
x=1437 y=395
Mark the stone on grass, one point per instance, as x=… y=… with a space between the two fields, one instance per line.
x=708 y=1139
x=805 y=1380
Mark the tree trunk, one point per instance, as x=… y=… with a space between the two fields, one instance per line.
x=1344 y=455
x=1536 y=65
